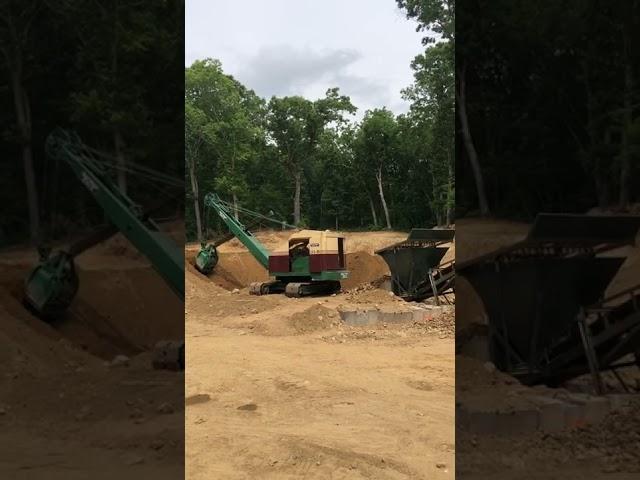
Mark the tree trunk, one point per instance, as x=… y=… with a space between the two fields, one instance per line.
x=23 y=115
x=373 y=211
x=450 y=194
x=235 y=206
x=625 y=153
x=592 y=163
x=468 y=143
x=118 y=144
x=382 y=200
x=196 y=199
x=296 y=199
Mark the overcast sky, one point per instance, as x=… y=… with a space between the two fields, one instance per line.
x=303 y=47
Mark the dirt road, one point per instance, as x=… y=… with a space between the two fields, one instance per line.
x=281 y=388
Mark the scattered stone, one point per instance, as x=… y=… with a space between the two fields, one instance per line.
x=120 y=361
x=156 y=444
x=250 y=407
x=165 y=408
x=83 y=413
x=235 y=291
x=441 y=466
x=489 y=367
x=136 y=414
x=3 y=410
x=197 y=398
x=133 y=459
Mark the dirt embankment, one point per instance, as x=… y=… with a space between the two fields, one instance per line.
x=65 y=410
x=282 y=387
x=237 y=268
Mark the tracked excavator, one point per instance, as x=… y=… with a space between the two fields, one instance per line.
x=313 y=264
x=53 y=283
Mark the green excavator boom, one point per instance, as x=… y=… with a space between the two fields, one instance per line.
x=242 y=233
x=50 y=288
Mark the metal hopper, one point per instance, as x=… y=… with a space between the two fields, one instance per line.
x=415 y=267
x=544 y=298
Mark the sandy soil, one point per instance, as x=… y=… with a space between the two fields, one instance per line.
x=65 y=412
x=280 y=388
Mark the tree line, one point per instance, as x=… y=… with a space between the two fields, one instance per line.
x=548 y=106
x=108 y=69
x=311 y=163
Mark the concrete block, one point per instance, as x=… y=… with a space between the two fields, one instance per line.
x=551 y=414
x=482 y=422
x=618 y=401
x=396 y=317
x=494 y=422
x=521 y=420
x=595 y=409
x=373 y=316
x=574 y=415
x=360 y=317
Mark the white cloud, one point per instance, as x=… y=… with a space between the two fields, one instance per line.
x=304 y=47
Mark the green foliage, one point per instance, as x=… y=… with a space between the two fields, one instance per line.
x=94 y=67
x=435 y=15
x=546 y=102
x=310 y=148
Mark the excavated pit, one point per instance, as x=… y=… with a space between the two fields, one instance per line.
x=240 y=269
x=122 y=307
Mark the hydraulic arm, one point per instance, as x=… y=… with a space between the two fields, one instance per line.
x=256 y=248
x=53 y=283
x=207 y=257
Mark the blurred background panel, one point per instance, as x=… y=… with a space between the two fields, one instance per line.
x=547 y=205
x=91 y=238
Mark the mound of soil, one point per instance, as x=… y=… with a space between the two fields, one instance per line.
x=364 y=268
x=312 y=319
x=240 y=269
x=369 y=294
x=276 y=240
x=120 y=308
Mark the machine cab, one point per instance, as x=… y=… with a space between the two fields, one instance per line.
x=310 y=251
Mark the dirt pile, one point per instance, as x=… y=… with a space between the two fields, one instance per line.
x=482 y=382
x=369 y=293
x=610 y=441
x=440 y=322
x=354 y=241
x=317 y=317
x=122 y=307
x=364 y=267
x=240 y=269
x=237 y=268
x=606 y=448
x=62 y=397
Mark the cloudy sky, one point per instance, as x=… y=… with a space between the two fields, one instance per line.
x=303 y=47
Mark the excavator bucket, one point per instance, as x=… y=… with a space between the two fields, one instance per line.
x=206 y=259
x=412 y=261
x=52 y=285
x=535 y=291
